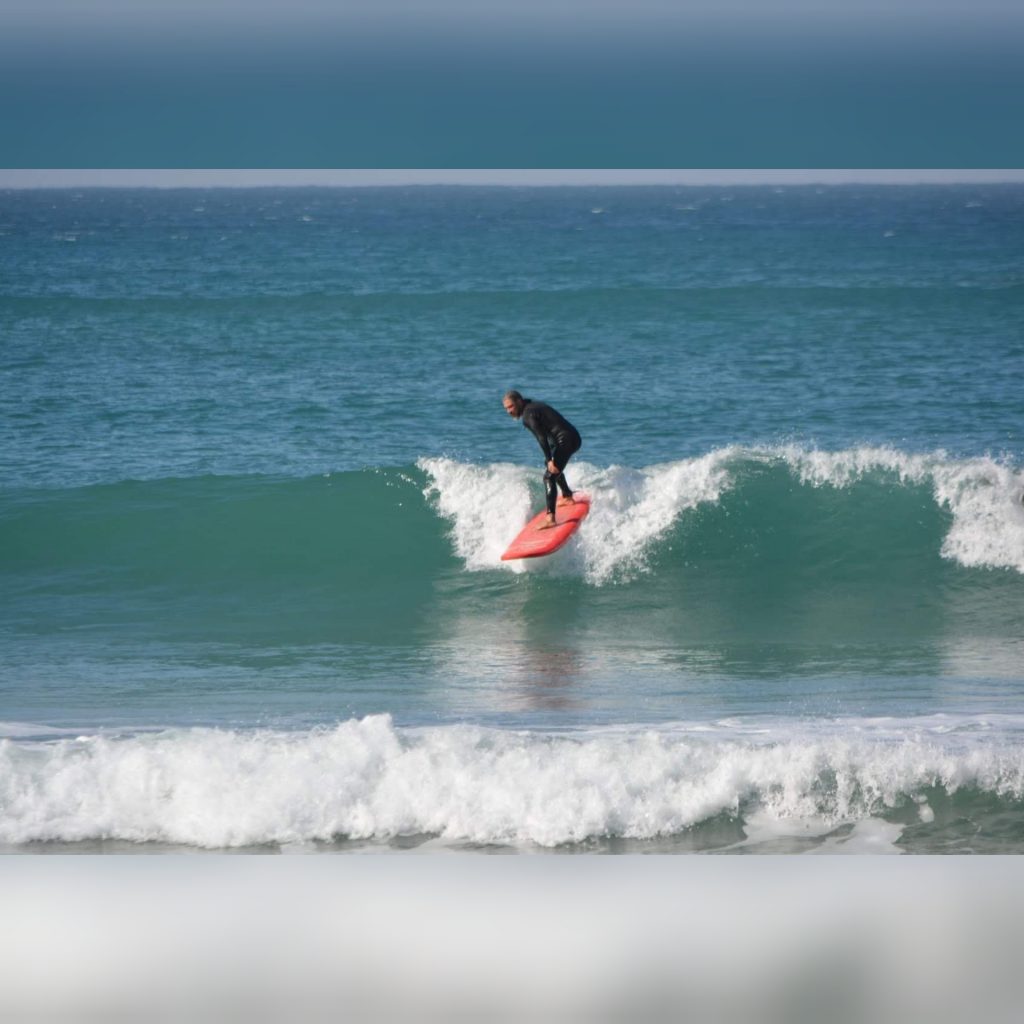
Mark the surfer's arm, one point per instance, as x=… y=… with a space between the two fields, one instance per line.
x=538 y=432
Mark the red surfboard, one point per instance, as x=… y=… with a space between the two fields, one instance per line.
x=533 y=542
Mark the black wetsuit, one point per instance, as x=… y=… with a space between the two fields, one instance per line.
x=558 y=439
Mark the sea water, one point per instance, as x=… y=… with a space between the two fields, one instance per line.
x=256 y=478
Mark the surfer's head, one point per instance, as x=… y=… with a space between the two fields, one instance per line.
x=513 y=402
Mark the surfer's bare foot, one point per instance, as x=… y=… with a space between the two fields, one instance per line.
x=547 y=524
x=566 y=501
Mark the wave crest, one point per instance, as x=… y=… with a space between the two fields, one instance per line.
x=635 y=510
x=368 y=779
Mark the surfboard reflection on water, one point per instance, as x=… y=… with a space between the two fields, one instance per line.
x=523 y=651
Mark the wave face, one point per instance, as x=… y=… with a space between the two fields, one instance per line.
x=848 y=512
x=367 y=554
x=712 y=785
x=237 y=554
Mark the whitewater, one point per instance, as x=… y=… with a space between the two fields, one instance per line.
x=634 y=508
x=461 y=785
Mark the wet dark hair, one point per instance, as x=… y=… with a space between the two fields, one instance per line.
x=516 y=397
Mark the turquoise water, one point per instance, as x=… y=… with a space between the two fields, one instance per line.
x=255 y=480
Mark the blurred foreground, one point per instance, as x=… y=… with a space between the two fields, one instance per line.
x=450 y=937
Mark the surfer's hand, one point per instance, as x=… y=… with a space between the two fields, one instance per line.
x=552 y=468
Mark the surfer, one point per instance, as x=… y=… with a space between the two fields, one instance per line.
x=558 y=439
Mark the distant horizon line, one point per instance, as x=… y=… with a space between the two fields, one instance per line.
x=166 y=179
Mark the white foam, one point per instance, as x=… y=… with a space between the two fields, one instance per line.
x=367 y=779
x=821 y=835
x=870 y=835
x=842 y=468
x=985 y=497
x=34 y=731
x=632 y=508
x=27 y=730
x=987 y=501
x=485 y=505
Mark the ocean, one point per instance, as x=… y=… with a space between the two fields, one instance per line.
x=256 y=478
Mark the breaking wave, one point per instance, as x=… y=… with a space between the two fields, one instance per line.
x=367 y=779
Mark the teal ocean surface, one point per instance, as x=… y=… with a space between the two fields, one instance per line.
x=255 y=481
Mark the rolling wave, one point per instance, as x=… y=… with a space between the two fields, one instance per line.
x=850 y=513
x=366 y=779
x=869 y=515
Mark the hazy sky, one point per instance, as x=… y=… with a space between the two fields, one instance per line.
x=201 y=23
x=67 y=178
x=242 y=11
x=500 y=83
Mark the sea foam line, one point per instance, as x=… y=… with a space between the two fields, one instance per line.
x=368 y=779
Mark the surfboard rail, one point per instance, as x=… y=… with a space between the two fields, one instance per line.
x=533 y=542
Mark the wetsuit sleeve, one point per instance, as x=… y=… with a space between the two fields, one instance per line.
x=530 y=422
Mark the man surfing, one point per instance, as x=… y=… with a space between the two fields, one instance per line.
x=558 y=439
